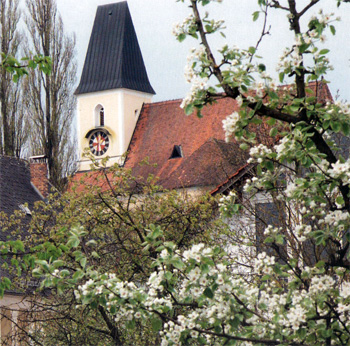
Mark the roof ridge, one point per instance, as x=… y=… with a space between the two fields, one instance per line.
x=112 y=3
x=278 y=86
x=163 y=102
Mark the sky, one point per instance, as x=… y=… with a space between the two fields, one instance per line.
x=165 y=58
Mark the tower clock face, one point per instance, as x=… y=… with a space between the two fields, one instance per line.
x=99 y=143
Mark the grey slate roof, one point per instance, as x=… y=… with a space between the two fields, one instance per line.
x=15 y=185
x=114 y=58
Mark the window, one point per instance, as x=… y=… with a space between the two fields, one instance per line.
x=177 y=152
x=99 y=116
x=268 y=214
x=102 y=117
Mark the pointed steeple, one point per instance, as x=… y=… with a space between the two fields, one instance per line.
x=114 y=58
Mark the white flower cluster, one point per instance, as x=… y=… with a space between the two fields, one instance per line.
x=296 y=316
x=341 y=171
x=333 y=218
x=185 y=27
x=289 y=60
x=221 y=295
x=215 y=25
x=291 y=188
x=264 y=263
x=337 y=107
x=271 y=230
x=345 y=290
x=301 y=232
x=321 y=284
x=293 y=58
x=196 y=252
x=230 y=125
x=193 y=67
x=226 y=201
x=56 y=273
x=285 y=146
x=197 y=84
x=84 y=289
x=325 y=18
x=258 y=153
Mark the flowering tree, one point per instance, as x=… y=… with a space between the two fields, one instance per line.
x=297 y=291
x=114 y=212
x=298 y=296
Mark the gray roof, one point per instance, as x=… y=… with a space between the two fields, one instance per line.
x=114 y=58
x=15 y=185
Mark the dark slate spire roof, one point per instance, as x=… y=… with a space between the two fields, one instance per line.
x=114 y=59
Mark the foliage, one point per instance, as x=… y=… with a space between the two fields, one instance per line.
x=101 y=227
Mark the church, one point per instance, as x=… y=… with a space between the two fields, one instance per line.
x=116 y=115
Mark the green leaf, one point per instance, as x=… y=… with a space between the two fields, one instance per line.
x=262 y=67
x=340 y=200
x=208 y=293
x=7 y=282
x=244 y=146
x=336 y=126
x=95 y=254
x=218 y=329
x=251 y=50
x=73 y=242
x=345 y=128
x=271 y=121
x=324 y=51
x=156 y=324
x=168 y=275
x=273 y=132
x=189 y=109
x=332 y=28
x=177 y=263
x=281 y=77
x=277 y=269
x=79 y=274
x=269 y=165
x=256 y=15
x=273 y=95
x=130 y=324
x=301 y=333
x=83 y=262
x=347 y=236
x=303 y=47
x=181 y=37
x=320 y=264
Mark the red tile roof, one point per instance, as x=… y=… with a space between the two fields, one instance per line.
x=207 y=160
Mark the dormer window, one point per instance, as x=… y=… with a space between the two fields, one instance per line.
x=176 y=153
x=99 y=116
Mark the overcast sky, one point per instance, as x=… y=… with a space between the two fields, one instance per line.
x=165 y=57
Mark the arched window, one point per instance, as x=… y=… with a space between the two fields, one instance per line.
x=102 y=117
x=99 y=116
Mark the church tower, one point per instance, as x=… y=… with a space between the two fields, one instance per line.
x=113 y=86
